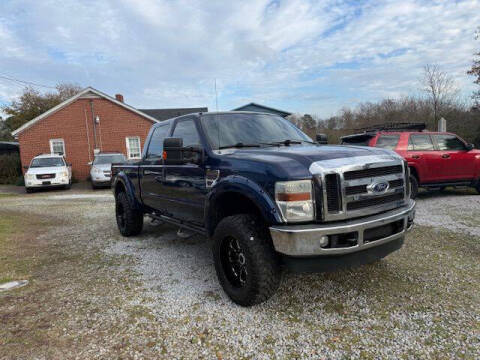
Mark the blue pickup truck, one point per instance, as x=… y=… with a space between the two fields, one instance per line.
x=267 y=196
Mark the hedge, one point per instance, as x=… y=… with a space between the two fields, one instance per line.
x=10 y=168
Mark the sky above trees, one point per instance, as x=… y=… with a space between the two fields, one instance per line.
x=302 y=56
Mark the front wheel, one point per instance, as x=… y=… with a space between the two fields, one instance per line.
x=413 y=187
x=246 y=264
x=129 y=219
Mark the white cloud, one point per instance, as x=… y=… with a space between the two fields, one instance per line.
x=282 y=53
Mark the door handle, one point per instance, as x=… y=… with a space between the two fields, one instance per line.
x=149 y=172
x=445 y=156
x=415 y=156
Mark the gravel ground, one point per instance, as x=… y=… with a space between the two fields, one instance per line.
x=156 y=295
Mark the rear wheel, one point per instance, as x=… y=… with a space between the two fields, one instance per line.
x=413 y=187
x=246 y=264
x=129 y=219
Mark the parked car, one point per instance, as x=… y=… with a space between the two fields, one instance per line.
x=267 y=196
x=435 y=159
x=47 y=171
x=101 y=171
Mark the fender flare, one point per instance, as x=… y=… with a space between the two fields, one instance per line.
x=122 y=179
x=245 y=187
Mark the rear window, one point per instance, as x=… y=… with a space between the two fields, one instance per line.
x=387 y=141
x=420 y=142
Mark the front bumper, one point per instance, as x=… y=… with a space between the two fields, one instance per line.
x=40 y=183
x=100 y=179
x=344 y=237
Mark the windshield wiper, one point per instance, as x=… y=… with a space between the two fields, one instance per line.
x=238 y=145
x=288 y=142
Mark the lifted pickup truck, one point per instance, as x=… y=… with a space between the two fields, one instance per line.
x=267 y=196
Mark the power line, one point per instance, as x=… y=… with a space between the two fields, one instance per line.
x=23 y=82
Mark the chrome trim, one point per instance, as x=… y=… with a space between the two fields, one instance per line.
x=367 y=180
x=303 y=240
x=340 y=166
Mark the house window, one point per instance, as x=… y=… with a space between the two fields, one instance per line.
x=134 y=150
x=57 y=146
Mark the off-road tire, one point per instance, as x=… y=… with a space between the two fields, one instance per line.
x=129 y=219
x=413 y=187
x=263 y=270
x=68 y=186
x=29 y=190
x=94 y=187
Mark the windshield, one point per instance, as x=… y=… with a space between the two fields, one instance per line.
x=47 y=162
x=224 y=130
x=108 y=159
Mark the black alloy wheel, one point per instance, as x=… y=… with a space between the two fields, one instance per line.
x=234 y=262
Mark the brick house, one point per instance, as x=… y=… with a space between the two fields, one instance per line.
x=89 y=122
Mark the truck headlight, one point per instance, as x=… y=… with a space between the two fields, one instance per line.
x=295 y=200
x=29 y=176
x=63 y=174
x=97 y=170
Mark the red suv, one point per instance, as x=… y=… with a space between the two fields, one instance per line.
x=435 y=159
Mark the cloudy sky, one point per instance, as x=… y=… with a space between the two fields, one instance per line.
x=299 y=55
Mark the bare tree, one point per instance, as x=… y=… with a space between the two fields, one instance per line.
x=440 y=89
x=475 y=71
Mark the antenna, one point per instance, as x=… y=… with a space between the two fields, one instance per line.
x=216 y=96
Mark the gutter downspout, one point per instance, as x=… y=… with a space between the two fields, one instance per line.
x=94 y=126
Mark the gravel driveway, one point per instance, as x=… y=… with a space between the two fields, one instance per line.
x=156 y=295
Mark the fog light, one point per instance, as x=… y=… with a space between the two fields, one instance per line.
x=324 y=241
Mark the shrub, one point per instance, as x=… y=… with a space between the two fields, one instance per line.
x=10 y=168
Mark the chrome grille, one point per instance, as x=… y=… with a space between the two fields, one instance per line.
x=333 y=192
x=348 y=190
x=372 y=172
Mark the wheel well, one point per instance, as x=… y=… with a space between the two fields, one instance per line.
x=229 y=204
x=414 y=172
x=119 y=187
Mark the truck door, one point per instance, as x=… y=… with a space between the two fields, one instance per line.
x=185 y=184
x=422 y=154
x=152 y=170
x=456 y=162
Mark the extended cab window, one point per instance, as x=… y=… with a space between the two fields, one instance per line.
x=155 y=148
x=387 y=141
x=449 y=142
x=420 y=142
x=186 y=130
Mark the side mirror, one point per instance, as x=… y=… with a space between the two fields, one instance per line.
x=69 y=164
x=25 y=167
x=90 y=163
x=321 y=139
x=470 y=147
x=175 y=153
x=173 y=150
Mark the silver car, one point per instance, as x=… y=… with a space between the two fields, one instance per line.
x=101 y=171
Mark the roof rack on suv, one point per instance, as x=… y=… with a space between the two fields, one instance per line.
x=401 y=126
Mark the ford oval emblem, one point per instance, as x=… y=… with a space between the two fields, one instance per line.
x=378 y=187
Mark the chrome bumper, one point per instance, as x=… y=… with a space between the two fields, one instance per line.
x=304 y=240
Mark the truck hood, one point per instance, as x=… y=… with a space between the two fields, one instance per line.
x=306 y=155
